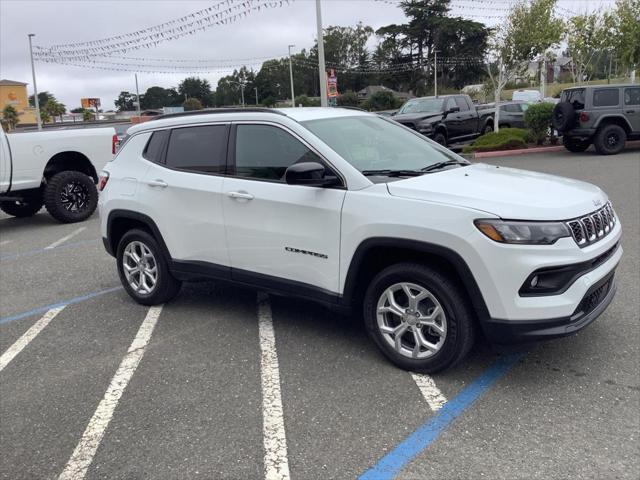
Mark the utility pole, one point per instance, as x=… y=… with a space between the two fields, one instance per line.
x=256 y=89
x=543 y=75
x=435 y=73
x=321 y=67
x=35 y=87
x=137 y=96
x=242 y=93
x=293 y=96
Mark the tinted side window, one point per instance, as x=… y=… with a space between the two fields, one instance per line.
x=450 y=103
x=575 y=97
x=632 y=96
x=606 y=97
x=511 y=108
x=265 y=152
x=155 y=146
x=462 y=103
x=198 y=149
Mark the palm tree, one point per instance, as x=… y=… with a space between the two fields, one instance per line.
x=10 y=116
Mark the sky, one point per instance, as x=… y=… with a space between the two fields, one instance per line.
x=261 y=34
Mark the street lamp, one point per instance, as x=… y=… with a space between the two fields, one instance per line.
x=293 y=97
x=242 y=84
x=321 y=67
x=35 y=88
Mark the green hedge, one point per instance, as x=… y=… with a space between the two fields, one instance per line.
x=537 y=119
x=505 y=139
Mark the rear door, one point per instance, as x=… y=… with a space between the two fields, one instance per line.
x=278 y=234
x=182 y=190
x=468 y=117
x=632 y=107
x=5 y=163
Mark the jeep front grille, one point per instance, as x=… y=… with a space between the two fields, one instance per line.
x=593 y=227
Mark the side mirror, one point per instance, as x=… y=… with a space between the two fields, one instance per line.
x=311 y=174
x=452 y=110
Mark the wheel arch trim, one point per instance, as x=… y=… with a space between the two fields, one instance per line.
x=139 y=217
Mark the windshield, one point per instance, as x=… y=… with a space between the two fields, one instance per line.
x=423 y=105
x=375 y=143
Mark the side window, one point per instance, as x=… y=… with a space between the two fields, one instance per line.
x=606 y=97
x=575 y=97
x=155 y=146
x=462 y=103
x=265 y=152
x=632 y=96
x=450 y=103
x=198 y=149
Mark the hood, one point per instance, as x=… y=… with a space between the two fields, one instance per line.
x=416 y=117
x=508 y=193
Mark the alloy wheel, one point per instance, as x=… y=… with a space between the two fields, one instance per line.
x=74 y=197
x=140 y=268
x=411 y=320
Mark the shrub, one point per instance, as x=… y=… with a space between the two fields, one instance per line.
x=348 y=99
x=306 y=101
x=192 y=104
x=537 y=119
x=505 y=139
x=382 y=101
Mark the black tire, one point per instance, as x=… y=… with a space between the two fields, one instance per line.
x=23 y=208
x=70 y=196
x=460 y=322
x=575 y=145
x=440 y=138
x=610 y=139
x=487 y=129
x=563 y=116
x=166 y=286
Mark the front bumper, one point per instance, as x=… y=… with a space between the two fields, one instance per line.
x=593 y=304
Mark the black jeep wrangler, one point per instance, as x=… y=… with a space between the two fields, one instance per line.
x=605 y=115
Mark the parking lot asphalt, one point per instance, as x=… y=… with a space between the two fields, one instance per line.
x=194 y=407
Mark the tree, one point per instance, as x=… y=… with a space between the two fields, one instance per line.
x=87 y=115
x=527 y=32
x=228 y=90
x=158 y=97
x=382 y=100
x=77 y=110
x=306 y=101
x=55 y=108
x=194 y=87
x=125 y=102
x=10 y=116
x=43 y=98
x=192 y=104
x=624 y=27
x=44 y=116
x=348 y=99
x=585 y=36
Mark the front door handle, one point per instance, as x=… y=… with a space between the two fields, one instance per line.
x=157 y=183
x=240 y=195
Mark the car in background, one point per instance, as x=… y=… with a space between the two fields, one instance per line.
x=603 y=115
x=511 y=113
x=447 y=119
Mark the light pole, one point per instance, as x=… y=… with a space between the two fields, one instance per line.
x=241 y=83
x=137 y=96
x=256 y=89
x=321 y=67
x=435 y=73
x=293 y=97
x=35 y=87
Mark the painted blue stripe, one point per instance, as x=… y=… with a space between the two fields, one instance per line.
x=29 y=253
x=393 y=462
x=46 y=308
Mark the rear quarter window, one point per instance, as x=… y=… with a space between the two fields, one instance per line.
x=606 y=97
x=154 y=151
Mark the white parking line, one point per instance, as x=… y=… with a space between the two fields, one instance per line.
x=64 y=239
x=82 y=456
x=276 y=463
x=430 y=391
x=29 y=335
x=4 y=242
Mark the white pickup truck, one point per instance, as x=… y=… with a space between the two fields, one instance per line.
x=57 y=169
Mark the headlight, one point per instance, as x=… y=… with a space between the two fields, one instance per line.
x=529 y=233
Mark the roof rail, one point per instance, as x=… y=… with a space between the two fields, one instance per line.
x=206 y=111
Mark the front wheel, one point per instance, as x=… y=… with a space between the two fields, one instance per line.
x=575 y=145
x=70 y=196
x=418 y=317
x=143 y=270
x=22 y=208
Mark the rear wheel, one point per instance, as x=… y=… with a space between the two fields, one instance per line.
x=488 y=129
x=418 y=317
x=143 y=270
x=610 y=139
x=440 y=138
x=22 y=208
x=575 y=145
x=70 y=196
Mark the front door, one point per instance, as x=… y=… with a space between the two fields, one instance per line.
x=278 y=234
x=182 y=192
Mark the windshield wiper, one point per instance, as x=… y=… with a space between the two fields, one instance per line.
x=393 y=173
x=440 y=165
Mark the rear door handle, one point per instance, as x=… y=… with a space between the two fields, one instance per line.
x=240 y=195
x=157 y=183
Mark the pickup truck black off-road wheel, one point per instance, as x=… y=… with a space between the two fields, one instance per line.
x=440 y=138
x=23 y=208
x=419 y=317
x=143 y=270
x=575 y=145
x=70 y=196
x=610 y=139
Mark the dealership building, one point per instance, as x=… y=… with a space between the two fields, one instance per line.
x=14 y=93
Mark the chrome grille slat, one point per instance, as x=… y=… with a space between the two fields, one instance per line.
x=593 y=227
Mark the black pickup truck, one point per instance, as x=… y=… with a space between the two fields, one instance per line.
x=447 y=119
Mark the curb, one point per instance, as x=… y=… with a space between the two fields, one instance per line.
x=521 y=151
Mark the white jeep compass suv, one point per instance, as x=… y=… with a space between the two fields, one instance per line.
x=360 y=213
